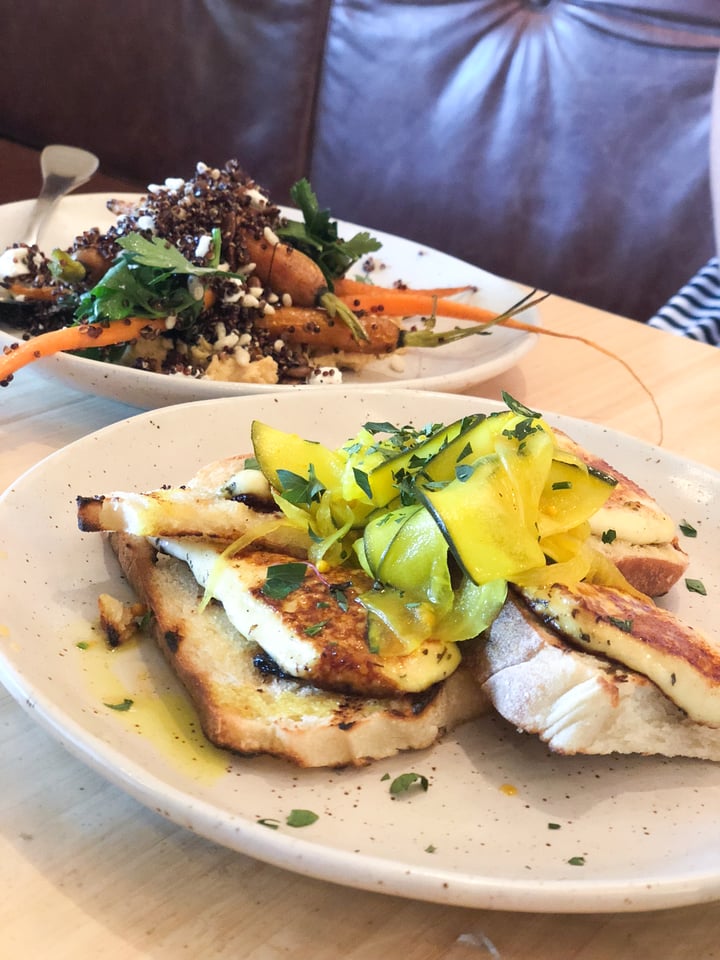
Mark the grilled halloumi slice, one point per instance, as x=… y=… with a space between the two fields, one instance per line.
x=222 y=500
x=308 y=634
x=683 y=662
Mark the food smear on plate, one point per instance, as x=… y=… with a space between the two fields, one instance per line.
x=229 y=289
x=331 y=606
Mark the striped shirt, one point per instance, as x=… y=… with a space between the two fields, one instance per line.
x=694 y=311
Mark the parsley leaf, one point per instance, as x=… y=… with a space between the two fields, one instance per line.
x=301 y=818
x=405 y=781
x=122 y=707
x=317 y=236
x=283 y=578
x=687 y=529
x=148 y=278
x=300 y=490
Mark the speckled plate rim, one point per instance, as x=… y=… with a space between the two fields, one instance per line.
x=451 y=368
x=517 y=865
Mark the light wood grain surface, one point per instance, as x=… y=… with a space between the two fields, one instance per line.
x=89 y=873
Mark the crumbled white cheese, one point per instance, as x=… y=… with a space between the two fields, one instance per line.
x=247 y=482
x=325 y=375
x=203 y=246
x=14 y=262
x=256 y=198
x=146 y=222
x=232 y=296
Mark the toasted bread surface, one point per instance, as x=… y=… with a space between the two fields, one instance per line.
x=246 y=707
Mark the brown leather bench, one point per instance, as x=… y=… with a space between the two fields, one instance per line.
x=562 y=144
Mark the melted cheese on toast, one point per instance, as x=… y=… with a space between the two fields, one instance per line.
x=680 y=660
x=307 y=633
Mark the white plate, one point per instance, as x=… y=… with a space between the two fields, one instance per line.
x=450 y=368
x=647 y=827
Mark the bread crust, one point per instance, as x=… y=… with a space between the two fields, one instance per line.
x=578 y=703
x=245 y=707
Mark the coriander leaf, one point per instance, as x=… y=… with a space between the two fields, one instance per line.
x=314 y=628
x=608 y=536
x=283 y=578
x=695 y=586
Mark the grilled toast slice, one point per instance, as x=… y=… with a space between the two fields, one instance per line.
x=245 y=705
x=578 y=702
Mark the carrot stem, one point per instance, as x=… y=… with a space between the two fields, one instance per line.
x=79 y=337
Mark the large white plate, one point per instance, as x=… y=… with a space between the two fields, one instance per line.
x=646 y=827
x=450 y=368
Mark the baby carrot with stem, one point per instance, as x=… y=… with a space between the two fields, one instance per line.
x=78 y=337
x=346 y=287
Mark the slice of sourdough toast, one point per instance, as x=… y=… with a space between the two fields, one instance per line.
x=245 y=706
x=578 y=702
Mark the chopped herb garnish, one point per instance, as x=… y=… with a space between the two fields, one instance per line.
x=577 y=861
x=122 y=707
x=300 y=490
x=317 y=236
x=339 y=596
x=430 y=848
x=463 y=472
x=519 y=408
x=608 y=536
x=405 y=781
x=301 y=818
x=82 y=645
x=315 y=628
x=562 y=485
x=363 y=481
x=553 y=826
x=687 y=529
x=269 y=822
x=283 y=578
x=624 y=625
x=695 y=586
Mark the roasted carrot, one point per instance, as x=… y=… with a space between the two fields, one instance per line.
x=79 y=337
x=410 y=303
x=316 y=329
x=46 y=294
x=286 y=270
x=346 y=287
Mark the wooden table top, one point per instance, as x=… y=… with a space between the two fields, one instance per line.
x=90 y=873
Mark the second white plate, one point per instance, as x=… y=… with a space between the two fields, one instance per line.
x=449 y=368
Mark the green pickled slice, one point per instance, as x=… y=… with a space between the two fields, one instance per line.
x=475 y=607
